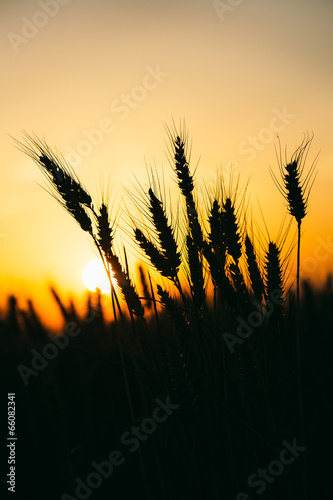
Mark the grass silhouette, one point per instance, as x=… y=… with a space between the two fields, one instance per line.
x=228 y=360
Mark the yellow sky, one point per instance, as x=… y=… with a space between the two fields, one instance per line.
x=237 y=74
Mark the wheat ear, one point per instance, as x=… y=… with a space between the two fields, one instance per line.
x=186 y=185
x=256 y=280
x=165 y=233
x=197 y=283
x=231 y=231
x=67 y=189
x=274 y=279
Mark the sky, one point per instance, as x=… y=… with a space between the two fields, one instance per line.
x=100 y=80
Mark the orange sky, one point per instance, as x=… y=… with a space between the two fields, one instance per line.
x=125 y=67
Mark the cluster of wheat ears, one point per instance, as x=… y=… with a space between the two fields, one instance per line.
x=215 y=255
x=213 y=251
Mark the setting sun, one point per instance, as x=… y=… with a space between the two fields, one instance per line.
x=94 y=276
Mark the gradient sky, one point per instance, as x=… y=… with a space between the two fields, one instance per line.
x=68 y=69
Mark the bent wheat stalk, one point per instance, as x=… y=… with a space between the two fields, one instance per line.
x=66 y=187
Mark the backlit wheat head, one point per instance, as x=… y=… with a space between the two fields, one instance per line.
x=294 y=189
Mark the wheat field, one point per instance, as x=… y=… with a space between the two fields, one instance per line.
x=211 y=367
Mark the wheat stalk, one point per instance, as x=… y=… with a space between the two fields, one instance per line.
x=274 y=279
x=156 y=257
x=105 y=232
x=231 y=233
x=144 y=284
x=69 y=192
x=216 y=235
x=165 y=233
x=104 y=241
x=256 y=280
x=175 y=313
x=186 y=184
x=296 y=192
x=239 y=284
x=197 y=282
x=294 y=189
x=218 y=275
x=130 y=295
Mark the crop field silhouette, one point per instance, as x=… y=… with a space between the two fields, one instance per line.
x=213 y=378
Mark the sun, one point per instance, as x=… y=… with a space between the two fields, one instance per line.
x=94 y=276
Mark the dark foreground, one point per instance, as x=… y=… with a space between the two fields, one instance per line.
x=167 y=411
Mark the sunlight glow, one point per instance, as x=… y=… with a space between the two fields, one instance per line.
x=94 y=276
